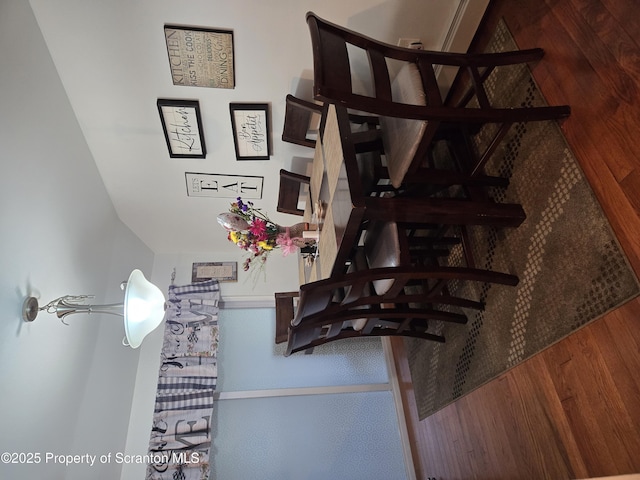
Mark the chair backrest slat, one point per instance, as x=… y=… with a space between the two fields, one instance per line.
x=380 y=74
x=331 y=59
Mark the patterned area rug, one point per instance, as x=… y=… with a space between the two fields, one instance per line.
x=571 y=268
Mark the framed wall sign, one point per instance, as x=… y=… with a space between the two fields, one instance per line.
x=250 y=124
x=200 y=57
x=221 y=271
x=223 y=186
x=182 y=127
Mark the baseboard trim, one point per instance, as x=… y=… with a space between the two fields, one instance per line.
x=394 y=383
x=293 y=392
x=247 y=301
x=463 y=27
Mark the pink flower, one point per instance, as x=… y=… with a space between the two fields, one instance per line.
x=286 y=243
x=259 y=229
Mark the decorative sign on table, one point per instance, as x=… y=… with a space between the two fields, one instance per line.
x=250 y=124
x=223 y=186
x=221 y=271
x=182 y=127
x=200 y=57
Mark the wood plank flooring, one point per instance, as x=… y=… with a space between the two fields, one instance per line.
x=572 y=411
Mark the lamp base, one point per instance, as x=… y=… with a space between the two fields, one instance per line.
x=30 y=309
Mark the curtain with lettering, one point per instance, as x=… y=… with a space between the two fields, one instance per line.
x=180 y=441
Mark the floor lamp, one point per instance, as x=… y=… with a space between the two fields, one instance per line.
x=142 y=309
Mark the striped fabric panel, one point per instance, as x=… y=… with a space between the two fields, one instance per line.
x=185 y=401
x=185 y=384
x=194 y=289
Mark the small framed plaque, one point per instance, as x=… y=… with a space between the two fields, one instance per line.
x=250 y=124
x=182 y=126
x=221 y=271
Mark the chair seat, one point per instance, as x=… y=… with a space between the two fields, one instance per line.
x=382 y=249
x=401 y=137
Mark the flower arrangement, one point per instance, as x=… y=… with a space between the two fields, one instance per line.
x=250 y=229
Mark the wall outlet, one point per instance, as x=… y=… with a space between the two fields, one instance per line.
x=414 y=43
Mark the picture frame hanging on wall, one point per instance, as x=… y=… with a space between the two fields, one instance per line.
x=221 y=271
x=223 y=186
x=200 y=57
x=182 y=127
x=250 y=124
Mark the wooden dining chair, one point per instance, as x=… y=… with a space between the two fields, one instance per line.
x=410 y=106
x=285 y=311
x=290 y=184
x=302 y=120
x=350 y=305
x=298 y=117
x=289 y=192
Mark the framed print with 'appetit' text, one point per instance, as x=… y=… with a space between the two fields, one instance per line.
x=250 y=124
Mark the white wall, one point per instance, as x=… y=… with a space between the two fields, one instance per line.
x=65 y=389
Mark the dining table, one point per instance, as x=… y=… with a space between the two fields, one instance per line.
x=340 y=206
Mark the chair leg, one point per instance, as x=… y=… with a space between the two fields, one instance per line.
x=512 y=57
x=389 y=332
x=499 y=115
x=449 y=178
x=401 y=327
x=495 y=143
x=489 y=61
x=449 y=211
x=534 y=114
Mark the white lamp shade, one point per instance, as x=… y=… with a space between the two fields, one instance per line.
x=143 y=308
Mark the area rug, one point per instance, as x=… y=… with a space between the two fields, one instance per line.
x=571 y=268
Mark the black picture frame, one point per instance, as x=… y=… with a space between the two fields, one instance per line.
x=182 y=128
x=200 y=57
x=219 y=185
x=251 y=127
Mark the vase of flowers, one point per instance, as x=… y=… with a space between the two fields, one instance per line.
x=250 y=229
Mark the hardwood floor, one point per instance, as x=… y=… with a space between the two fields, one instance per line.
x=572 y=411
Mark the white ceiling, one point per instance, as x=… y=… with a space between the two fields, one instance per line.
x=112 y=60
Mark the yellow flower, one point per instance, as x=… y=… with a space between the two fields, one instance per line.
x=265 y=246
x=234 y=237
